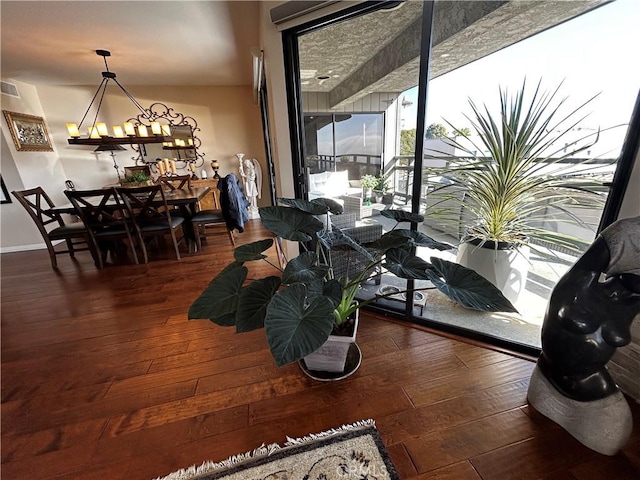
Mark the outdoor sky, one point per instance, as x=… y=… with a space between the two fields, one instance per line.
x=596 y=52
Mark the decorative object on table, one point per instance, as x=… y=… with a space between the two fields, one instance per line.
x=128 y=133
x=350 y=451
x=368 y=182
x=299 y=318
x=136 y=179
x=506 y=201
x=29 y=132
x=203 y=174
x=215 y=166
x=112 y=149
x=251 y=174
x=586 y=320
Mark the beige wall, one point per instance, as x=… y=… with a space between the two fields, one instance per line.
x=228 y=117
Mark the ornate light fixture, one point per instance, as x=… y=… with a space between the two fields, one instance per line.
x=128 y=133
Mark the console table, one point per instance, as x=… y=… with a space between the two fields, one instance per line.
x=210 y=202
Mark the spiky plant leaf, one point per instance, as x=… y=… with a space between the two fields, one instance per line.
x=525 y=174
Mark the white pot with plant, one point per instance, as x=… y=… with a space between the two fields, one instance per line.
x=305 y=302
x=521 y=188
x=368 y=183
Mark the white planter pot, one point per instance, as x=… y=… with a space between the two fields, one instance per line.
x=332 y=356
x=506 y=269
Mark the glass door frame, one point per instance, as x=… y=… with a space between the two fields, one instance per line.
x=625 y=165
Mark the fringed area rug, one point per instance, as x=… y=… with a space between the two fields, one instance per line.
x=350 y=452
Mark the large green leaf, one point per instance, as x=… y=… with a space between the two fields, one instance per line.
x=389 y=240
x=295 y=329
x=333 y=206
x=303 y=268
x=467 y=287
x=317 y=206
x=404 y=265
x=419 y=239
x=290 y=223
x=218 y=302
x=253 y=302
x=252 y=251
x=402 y=216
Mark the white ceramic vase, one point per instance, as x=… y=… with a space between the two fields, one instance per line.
x=507 y=269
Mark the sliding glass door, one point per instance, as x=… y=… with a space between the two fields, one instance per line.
x=391 y=92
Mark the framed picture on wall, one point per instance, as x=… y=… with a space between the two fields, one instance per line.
x=29 y=132
x=4 y=194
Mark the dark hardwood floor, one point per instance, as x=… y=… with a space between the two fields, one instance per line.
x=103 y=377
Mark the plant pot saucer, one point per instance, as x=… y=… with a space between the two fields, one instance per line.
x=354 y=359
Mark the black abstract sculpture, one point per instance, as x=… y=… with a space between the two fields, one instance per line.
x=588 y=317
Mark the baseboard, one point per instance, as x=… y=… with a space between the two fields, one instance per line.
x=24 y=248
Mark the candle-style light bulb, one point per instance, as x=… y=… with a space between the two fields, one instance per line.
x=117 y=131
x=102 y=129
x=166 y=130
x=142 y=131
x=72 y=128
x=155 y=128
x=129 y=129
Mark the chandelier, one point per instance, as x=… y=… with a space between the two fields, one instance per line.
x=127 y=133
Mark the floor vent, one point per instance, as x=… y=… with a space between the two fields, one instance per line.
x=10 y=89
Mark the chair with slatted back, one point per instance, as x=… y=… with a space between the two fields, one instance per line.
x=105 y=218
x=38 y=204
x=175 y=182
x=209 y=218
x=147 y=206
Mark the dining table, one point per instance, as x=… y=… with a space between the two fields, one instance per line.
x=186 y=199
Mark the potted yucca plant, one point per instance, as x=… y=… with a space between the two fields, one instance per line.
x=307 y=301
x=517 y=192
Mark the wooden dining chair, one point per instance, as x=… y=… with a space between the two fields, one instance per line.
x=175 y=182
x=38 y=205
x=147 y=207
x=210 y=218
x=105 y=219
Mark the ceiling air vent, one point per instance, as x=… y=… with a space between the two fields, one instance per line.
x=10 y=89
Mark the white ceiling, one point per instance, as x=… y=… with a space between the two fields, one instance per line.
x=151 y=42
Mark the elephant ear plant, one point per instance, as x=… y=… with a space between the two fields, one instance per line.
x=300 y=307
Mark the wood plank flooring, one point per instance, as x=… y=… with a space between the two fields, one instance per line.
x=103 y=377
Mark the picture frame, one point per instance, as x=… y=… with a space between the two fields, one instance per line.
x=4 y=193
x=29 y=132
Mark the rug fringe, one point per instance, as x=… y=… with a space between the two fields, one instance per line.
x=211 y=467
x=262 y=451
x=327 y=433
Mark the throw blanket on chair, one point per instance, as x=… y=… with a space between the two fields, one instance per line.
x=233 y=202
